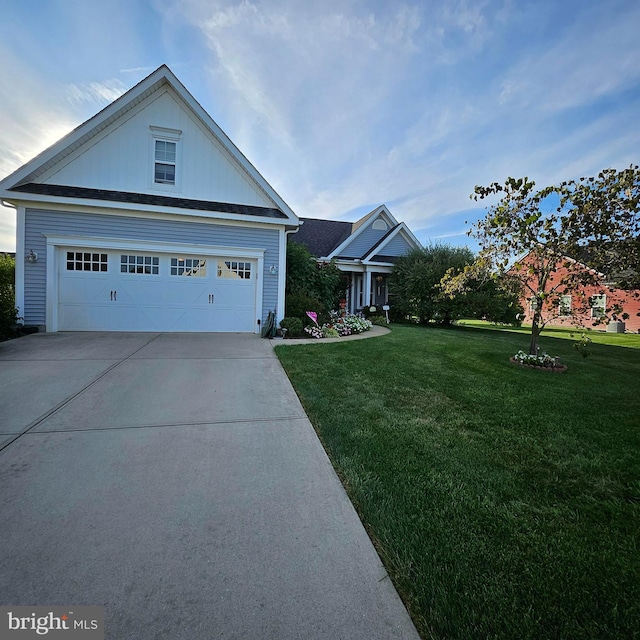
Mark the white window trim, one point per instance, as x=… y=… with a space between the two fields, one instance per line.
x=562 y=306
x=201 y=271
x=166 y=135
x=136 y=254
x=601 y=297
x=118 y=244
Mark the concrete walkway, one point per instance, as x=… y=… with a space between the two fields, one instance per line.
x=175 y=480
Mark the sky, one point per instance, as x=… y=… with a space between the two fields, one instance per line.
x=343 y=105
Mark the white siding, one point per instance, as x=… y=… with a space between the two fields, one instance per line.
x=120 y=158
x=38 y=223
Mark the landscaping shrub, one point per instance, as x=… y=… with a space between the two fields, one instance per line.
x=8 y=311
x=311 y=285
x=293 y=327
x=297 y=305
x=381 y=321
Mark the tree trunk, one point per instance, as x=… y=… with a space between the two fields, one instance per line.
x=535 y=333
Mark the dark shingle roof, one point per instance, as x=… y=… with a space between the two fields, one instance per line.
x=321 y=237
x=148 y=199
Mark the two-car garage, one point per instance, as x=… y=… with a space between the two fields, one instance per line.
x=102 y=288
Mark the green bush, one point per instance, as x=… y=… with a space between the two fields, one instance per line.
x=8 y=311
x=297 y=305
x=311 y=286
x=293 y=327
x=416 y=283
x=381 y=321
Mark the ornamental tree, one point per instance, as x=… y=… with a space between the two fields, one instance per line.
x=557 y=240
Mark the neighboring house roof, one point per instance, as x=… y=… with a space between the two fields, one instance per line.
x=360 y=241
x=321 y=237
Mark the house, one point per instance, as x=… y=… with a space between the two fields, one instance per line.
x=148 y=218
x=591 y=305
x=365 y=250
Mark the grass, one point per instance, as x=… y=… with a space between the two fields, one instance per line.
x=504 y=502
x=631 y=340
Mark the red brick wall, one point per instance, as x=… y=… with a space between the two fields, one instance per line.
x=581 y=310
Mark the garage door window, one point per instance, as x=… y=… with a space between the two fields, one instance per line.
x=83 y=261
x=234 y=269
x=148 y=265
x=196 y=267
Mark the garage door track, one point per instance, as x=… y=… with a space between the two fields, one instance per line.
x=175 y=480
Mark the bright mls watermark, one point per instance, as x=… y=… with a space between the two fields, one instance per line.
x=53 y=623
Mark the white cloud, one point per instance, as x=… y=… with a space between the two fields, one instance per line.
x=96 y=92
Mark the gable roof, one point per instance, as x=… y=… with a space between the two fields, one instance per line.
x=327 y=238
x=374 y=254
x=32 y=173
x=360 y=226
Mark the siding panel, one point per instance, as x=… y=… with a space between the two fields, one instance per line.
x=396 y=247
x=39 y=222
x=122 y=158
x=363 y=243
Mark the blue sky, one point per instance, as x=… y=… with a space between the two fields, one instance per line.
x=343 y=105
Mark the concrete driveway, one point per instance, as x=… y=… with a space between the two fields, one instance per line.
x=175 y=480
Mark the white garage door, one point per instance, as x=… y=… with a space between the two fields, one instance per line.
x=107 y=290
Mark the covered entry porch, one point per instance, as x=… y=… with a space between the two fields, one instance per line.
x=367 y=286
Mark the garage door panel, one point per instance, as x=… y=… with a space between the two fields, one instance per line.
x=187 y=292
x=130 y=298
x=73 y=317
x=85 y=289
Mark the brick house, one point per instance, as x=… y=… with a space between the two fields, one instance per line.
x=593 y=304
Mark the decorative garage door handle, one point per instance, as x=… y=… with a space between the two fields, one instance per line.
x=114 y=295
x=211 y=296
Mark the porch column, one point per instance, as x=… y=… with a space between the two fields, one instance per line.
x=352 y=293
x=367 y=288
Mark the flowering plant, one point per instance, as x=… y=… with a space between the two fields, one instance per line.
x=542 y=360
x=338 y=325
x=314 y=332
x=356 y=323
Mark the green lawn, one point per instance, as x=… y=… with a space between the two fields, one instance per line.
x=598 y=337
x=504 y=502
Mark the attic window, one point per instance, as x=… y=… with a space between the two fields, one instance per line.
x=165 y=154
x=379 y=225
x=165 y=162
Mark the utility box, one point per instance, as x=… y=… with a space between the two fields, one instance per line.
x=615 y=327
